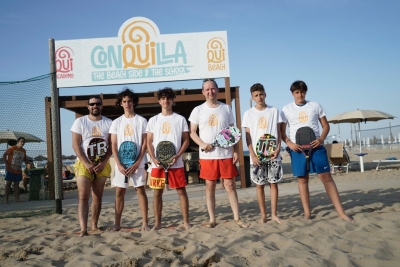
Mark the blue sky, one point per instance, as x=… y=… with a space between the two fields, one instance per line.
x=347 y=51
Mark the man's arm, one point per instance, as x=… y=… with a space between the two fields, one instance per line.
x=99 y=167
x=235 y=150
x=150 y=150
x=249 y=143
x=193 y=134
x=325 y=131
x=287 y=140
x=76 y=146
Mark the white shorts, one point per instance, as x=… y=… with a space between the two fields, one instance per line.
x=138 y=179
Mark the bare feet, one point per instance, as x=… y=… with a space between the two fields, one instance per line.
x=277 y=219
x=263 y=219
x=157 y=227
x=94 y=228
x=83 y=233
x=116 y=228
x=145 y=227
x=209 y=225
x=347 y=218
x=187 y=225
x=242 y=223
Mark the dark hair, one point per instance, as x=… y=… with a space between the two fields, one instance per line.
x=20 y=138
x=127 y=92
x=298 y=85
x=166 y=92
x=209 y=80
x=96 y=97
x=257 y=87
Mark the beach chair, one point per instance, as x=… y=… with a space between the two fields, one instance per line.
x=338 y=157
x=379 y=161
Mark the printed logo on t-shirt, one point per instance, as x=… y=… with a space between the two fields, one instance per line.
x=166 y=128
x=213 y=120
x=262 y=123
x=303 y=117
x=96 y=131
x=17 y=159
x=128 y=131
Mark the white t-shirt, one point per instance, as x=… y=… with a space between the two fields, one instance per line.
x=130 y=129
x=210 y=122
x=168 y=128
x=302 y=116
x=91 y=129
x=261 y=122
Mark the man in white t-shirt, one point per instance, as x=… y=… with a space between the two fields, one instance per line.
x=168 y=126
x=211 y=117
x=302 y=113
x=259 y=120
x=129 y=127
x=89 y=176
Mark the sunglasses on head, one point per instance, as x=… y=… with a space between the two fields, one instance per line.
x=208 y=79
x=95 y=104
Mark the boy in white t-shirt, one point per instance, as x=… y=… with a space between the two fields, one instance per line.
x=168 y=126
x=129 y=127
x=259 y=120
x=210 y=118
x=302 y=113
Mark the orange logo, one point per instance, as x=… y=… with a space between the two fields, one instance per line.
x=166 y=128
x=262 y=123
x=213 y=120
x=216 y=54
x=303 y=117
x=96 y=131
x=128 y=131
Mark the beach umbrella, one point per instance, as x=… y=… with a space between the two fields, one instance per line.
x=40 y=158
x=357 y=116
x=6 y=136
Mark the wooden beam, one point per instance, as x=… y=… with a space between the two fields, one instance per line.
x=228 y=92
x=240 y=152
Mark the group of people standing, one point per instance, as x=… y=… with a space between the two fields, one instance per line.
x=206 y=121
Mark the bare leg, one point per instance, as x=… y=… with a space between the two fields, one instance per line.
x=7 y=191
x=119 y=207
x=158 y=205
x=144 y=206
x=184 y=201
x=331 y=190
x=16 y=192
x=210 y=200
x=230 y=187
x=25 y=184
x=304 y=195
x=274 y=203
x=84 y=185
x=221 y=185
x=261 y=203
x=97 y=197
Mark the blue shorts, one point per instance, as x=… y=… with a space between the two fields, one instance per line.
x=318 y=162
x=13 y=177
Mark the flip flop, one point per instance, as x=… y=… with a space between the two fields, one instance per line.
x=208 y=225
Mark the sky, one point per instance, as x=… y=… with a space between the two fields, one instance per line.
x=347 y=51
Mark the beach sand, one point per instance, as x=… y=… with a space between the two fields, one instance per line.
x=372 y=198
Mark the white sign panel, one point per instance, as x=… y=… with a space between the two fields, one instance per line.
x=141 y=54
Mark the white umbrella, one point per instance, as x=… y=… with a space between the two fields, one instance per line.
x=357 y=116
x=6 y=136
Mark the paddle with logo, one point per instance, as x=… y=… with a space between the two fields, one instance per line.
x=165 y=153
x=127 y=154
x=270 y=170
x=304 y=137
x=227 y=137
x=96 y=151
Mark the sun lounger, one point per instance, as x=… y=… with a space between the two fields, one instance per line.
x=379 y=161
x=338 y=157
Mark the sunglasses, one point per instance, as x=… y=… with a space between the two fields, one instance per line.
x=95 y=104
x=209 y=79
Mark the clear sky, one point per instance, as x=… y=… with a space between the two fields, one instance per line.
x=347 y=51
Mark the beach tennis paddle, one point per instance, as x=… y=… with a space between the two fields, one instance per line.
x=127 y=154
x=266 y=144
x=96 y=151
x=304 y=137
x=165 y=153
x=227 y=137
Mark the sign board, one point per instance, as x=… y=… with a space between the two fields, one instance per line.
x=141 y=54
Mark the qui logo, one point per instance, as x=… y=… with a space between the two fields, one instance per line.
x=64 y=62
x=216 y=54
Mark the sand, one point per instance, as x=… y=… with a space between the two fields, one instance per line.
x=371 y=197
